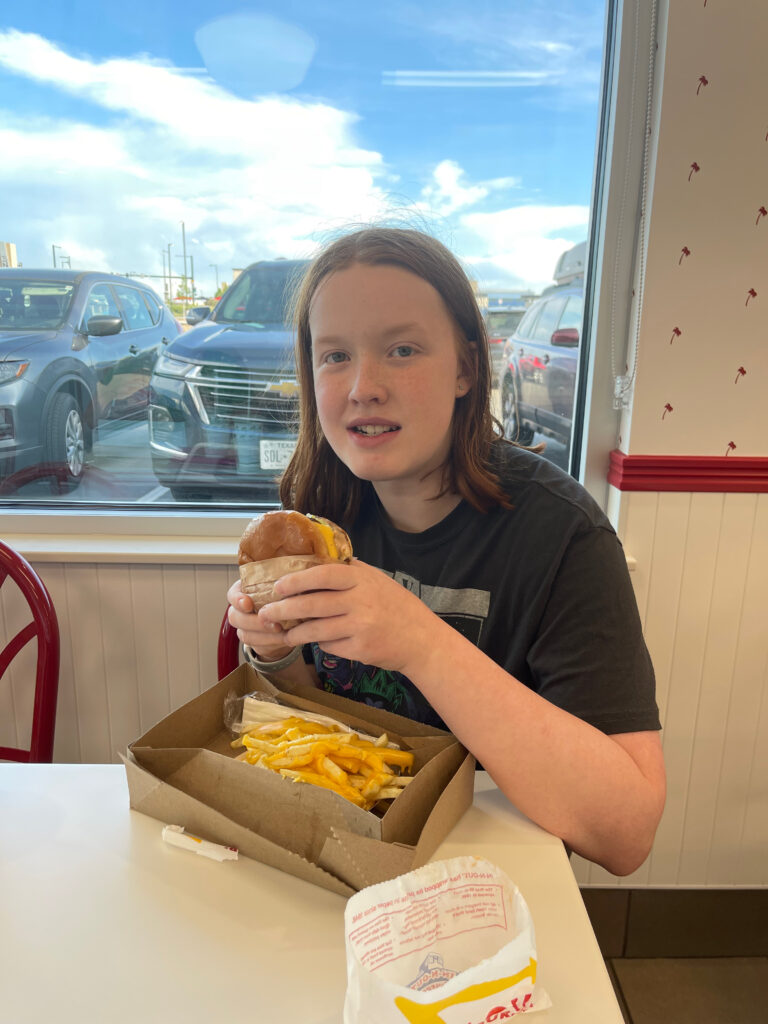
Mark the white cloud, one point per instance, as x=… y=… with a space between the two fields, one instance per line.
x=521 y=244
x=552 y=47
x=446 y=193
x=252 y=179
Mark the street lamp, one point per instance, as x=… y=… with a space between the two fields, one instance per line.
x=53 y=250
x=170 y=274
x=216 y=268
x=184 y=247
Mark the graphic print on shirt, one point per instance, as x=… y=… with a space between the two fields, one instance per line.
x=465 y=610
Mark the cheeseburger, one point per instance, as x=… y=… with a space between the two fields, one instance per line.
x=278 y=543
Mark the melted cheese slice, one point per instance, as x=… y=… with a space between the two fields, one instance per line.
x=327 y=534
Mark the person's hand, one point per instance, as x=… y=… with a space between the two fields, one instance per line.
x=264 y=636
x=354 y=611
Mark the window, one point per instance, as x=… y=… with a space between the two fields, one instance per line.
x=226 y=148
x=134 y=308
x=152 y=306
x=548 y=319
x=573 y=313
x=101 y=302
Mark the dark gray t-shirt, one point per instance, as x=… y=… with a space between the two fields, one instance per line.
x=542 y=589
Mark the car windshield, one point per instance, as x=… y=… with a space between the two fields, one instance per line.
x=503 y=322
x=260 y=295
x=33 y=305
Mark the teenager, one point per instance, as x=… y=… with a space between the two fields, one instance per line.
x=489 y=592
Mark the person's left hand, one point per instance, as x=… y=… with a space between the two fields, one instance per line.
x=356 y=612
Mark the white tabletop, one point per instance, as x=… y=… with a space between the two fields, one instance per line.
x=101 y=921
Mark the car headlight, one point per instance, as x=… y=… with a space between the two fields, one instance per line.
x=12 y=370
x=171 y=366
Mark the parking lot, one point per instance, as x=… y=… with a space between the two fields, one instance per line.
x=120 y=470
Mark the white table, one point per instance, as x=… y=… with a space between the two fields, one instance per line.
x=101 y=922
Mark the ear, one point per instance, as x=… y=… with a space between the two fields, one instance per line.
x=467 y=369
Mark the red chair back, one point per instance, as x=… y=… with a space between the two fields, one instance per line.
x=228 y=653
x=44 y=626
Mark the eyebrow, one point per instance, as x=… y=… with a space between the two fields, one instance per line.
x=389 y=332
x=401 y=329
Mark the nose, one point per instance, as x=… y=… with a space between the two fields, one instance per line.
x=368 y=383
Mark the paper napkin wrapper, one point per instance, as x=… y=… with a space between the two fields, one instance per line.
x=257 y=579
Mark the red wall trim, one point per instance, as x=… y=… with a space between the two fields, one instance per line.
x=721 y=473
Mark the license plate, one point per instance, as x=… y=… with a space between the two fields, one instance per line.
x=275 y=454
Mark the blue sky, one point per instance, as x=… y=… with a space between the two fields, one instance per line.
x=267 y=127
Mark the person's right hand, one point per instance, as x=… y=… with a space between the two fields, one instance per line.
x=261 y=635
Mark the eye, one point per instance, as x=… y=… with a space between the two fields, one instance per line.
x=334 y=357
x=403 y=351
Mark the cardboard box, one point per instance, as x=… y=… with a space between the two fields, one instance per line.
x=183 y=771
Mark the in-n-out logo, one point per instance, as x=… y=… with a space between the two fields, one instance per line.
x=432 y=974
x=516 y=1005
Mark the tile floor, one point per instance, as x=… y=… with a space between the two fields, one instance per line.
x=685 y=956
x=692 y=990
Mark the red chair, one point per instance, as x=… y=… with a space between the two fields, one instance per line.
x=228 y=653
x=44 y=626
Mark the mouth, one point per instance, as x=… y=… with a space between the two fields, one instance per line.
x=373 y=429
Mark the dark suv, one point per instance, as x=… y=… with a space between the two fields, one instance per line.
x=539 y=368
x=224 y=396
x=76 y=348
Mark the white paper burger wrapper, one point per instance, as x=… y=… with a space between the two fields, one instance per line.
x=258 y=578
x=450 y=943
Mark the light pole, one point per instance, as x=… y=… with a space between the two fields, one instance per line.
x=216 y=269
x=184 y=247
x=170 y=275
x=53 y=250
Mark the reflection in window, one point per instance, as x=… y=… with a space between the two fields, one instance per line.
x=219 y=140
x=547 y=322
x=101 y=302
x=134 y=307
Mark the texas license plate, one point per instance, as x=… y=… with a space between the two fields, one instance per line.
x=275 y=454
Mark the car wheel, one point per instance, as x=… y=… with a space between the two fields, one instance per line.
x=513 y=429
x=65 y=443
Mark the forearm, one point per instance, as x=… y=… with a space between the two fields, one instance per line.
x=571 y=779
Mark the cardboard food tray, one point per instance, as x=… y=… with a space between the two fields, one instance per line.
x=183 y=771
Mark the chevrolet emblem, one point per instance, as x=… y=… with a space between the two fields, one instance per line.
x=284 y=388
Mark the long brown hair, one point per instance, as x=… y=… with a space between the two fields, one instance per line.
x=316 y=480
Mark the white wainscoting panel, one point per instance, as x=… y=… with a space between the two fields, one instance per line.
x=139 y=640
x=136 y=642
x=702 y=588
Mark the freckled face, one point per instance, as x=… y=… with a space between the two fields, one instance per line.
x=387 y=372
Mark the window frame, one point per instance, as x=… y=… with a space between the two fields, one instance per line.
x=611 y=252
x=77 y=534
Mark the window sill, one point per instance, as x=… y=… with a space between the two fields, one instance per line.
x=105 y=537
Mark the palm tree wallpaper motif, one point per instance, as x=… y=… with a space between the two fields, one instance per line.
x=694 y=170
x=685 y=251
x=676 y=332
x=751 y=294
x=762 y=212
x=667 y=408
x=731 y=447
x=741 y=372
x=703 y=80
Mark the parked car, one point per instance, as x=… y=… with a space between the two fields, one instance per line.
x=76 y=349
x=502 y=315
x=224 y=395
x=541 y=358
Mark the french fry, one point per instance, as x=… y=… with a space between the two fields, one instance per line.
x=361 y=769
